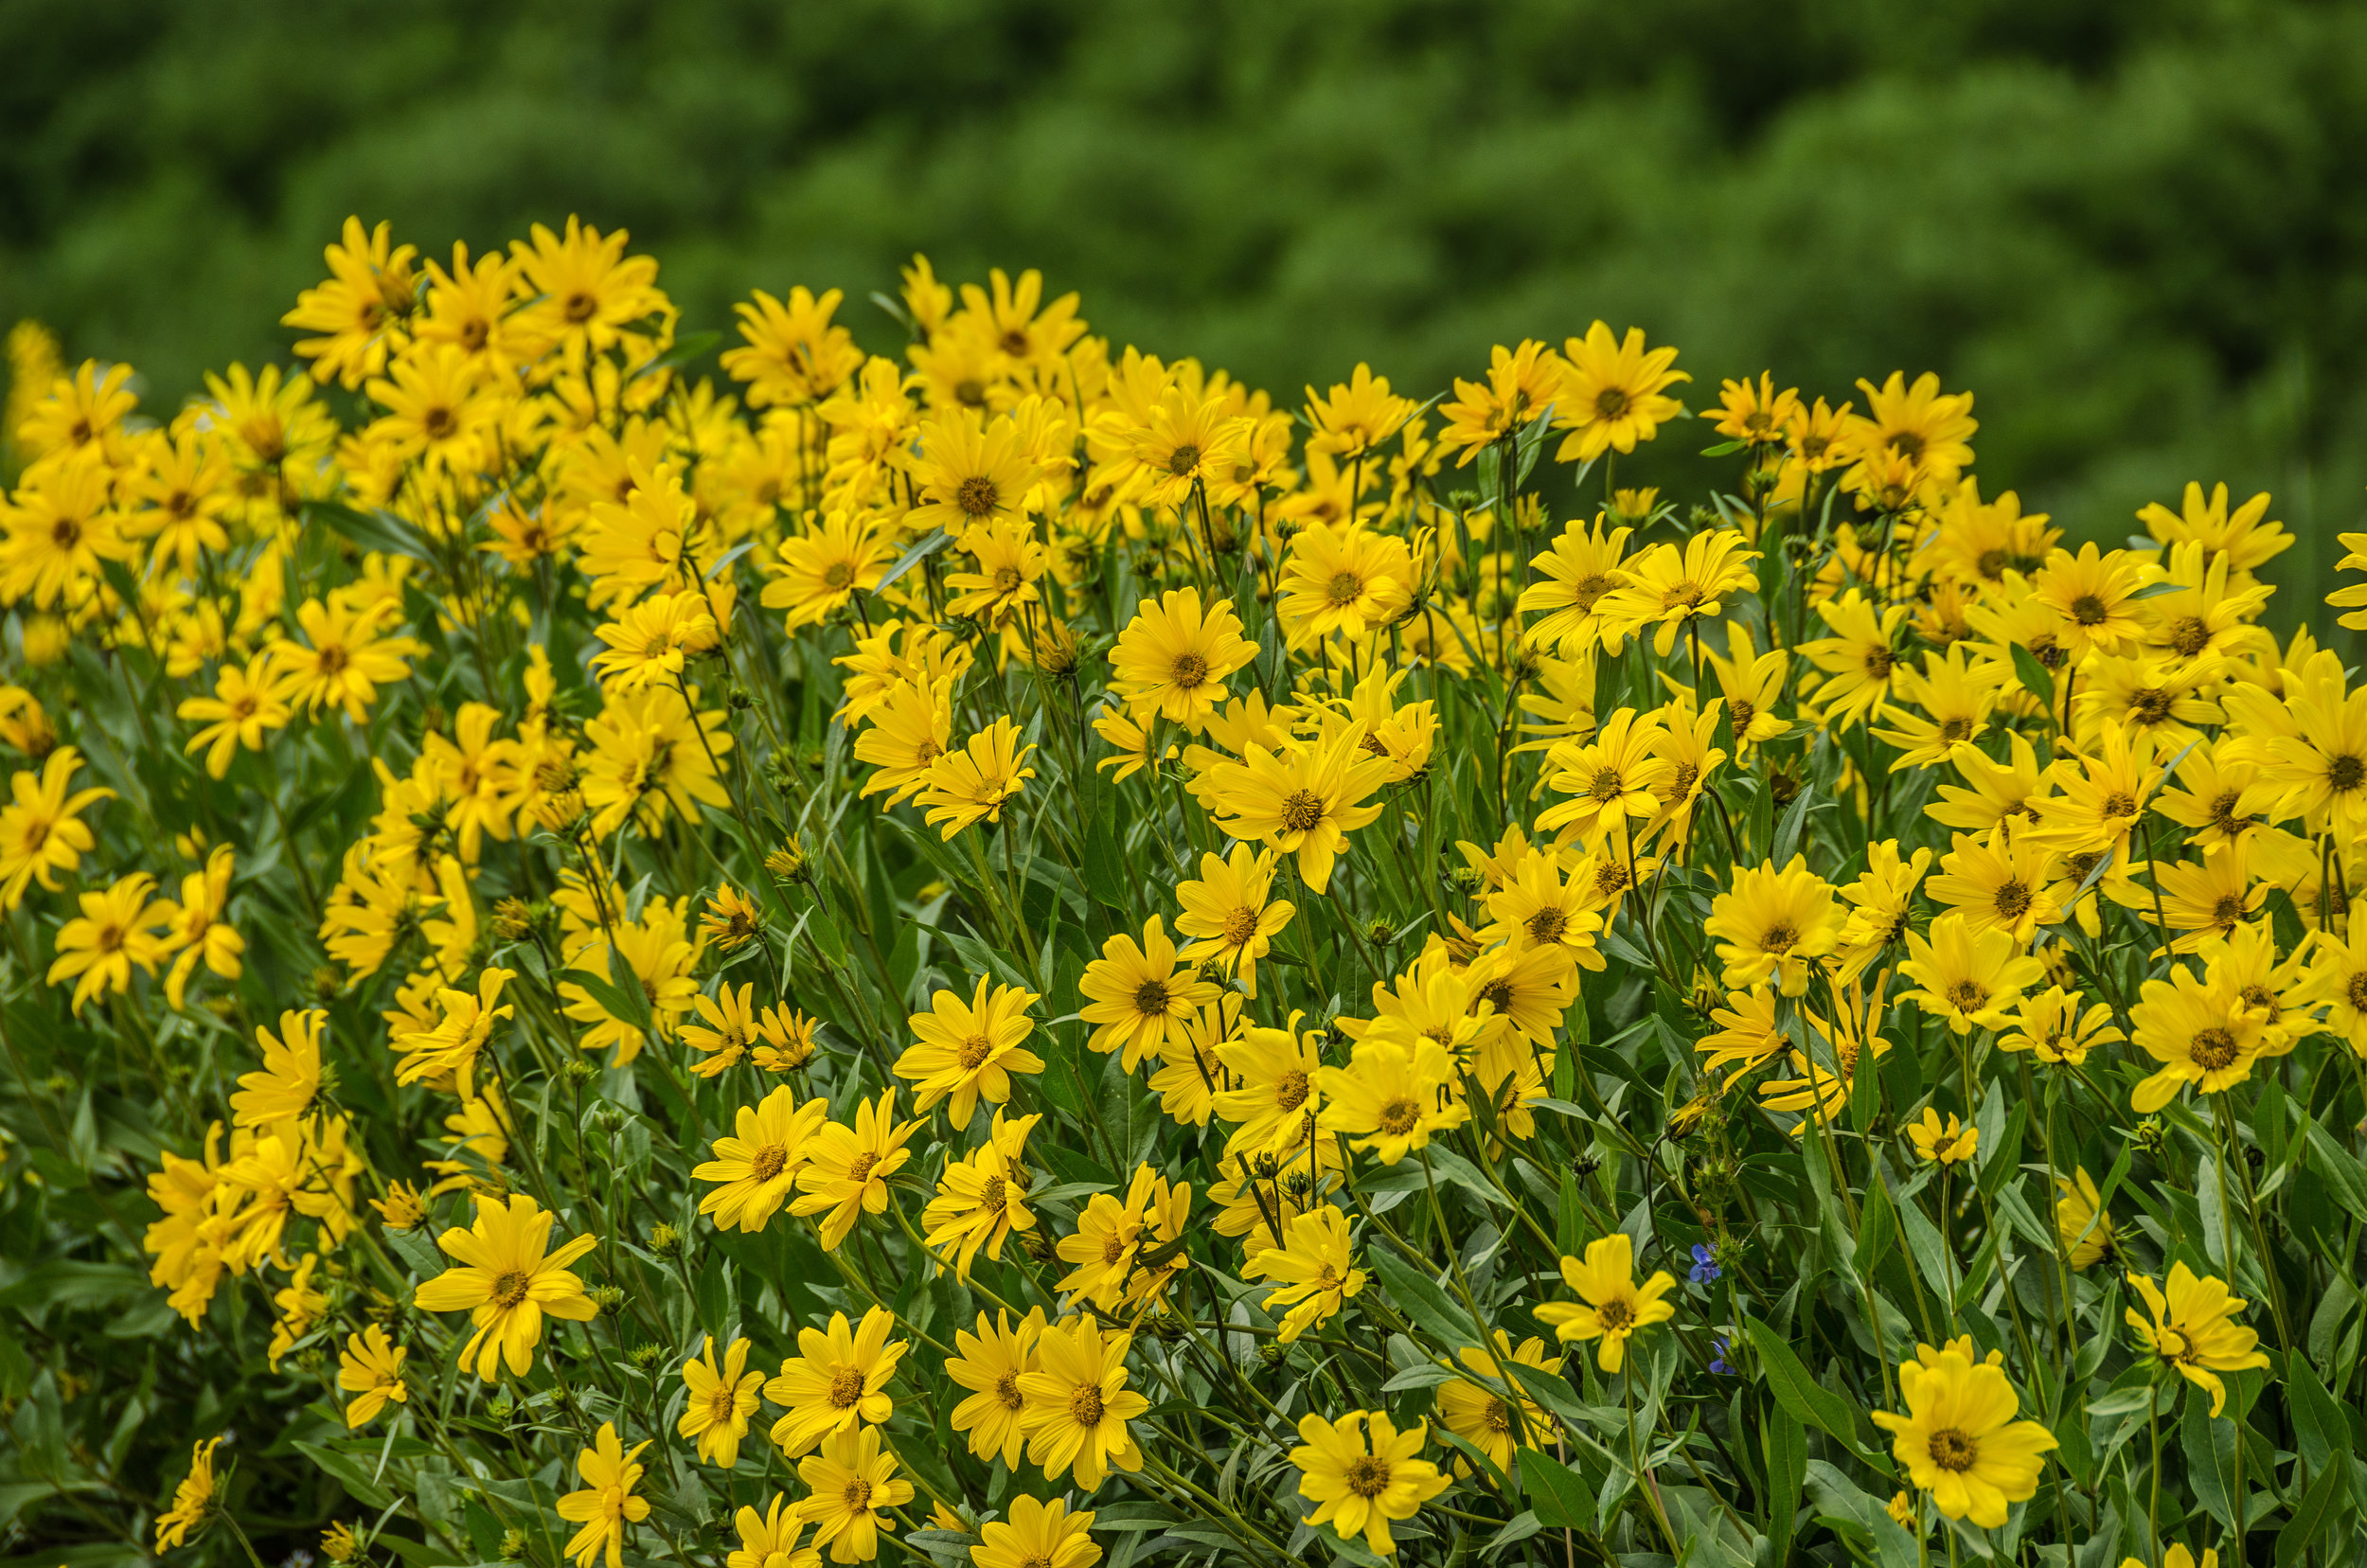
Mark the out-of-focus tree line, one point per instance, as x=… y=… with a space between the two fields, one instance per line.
x=2136 y=228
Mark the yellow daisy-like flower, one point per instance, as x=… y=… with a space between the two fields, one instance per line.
x=1485 y=1420
x=851 y=1485
x=1135 y=994
x=972 y=785
x=1036 y=1535
x=1315 y=1266
x=718 y=1401
x=117 y=929
x=982 y=1197
x=1772 y=923
x=1615 y=392
x=1079 y=1404
x=606 y=1504
x=821 y=570
x=194 y=1499
x=1173 y=657
x=1229 y=915
x=1393 y=1095
x=846 y=1168
x=2202 y=1034
x=769 y=1540
x=989 y=1364
x=1958 y=1440
x=507 y=1283
x=1613 y=1308
x=371 y=1368
x=1302 y=799
x=1939 y=1142
x=1363 y=1474
x=970 y=1049
x=838 y=1380
x=2192 y=1326
x=1972 y=979
x=759 y=1164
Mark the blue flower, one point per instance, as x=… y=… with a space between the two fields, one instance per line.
x=1717 y=1363
x=1704 y=1265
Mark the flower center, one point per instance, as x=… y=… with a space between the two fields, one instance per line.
x=2347 y=772
x=1006 y=1390
x=1344 y=588
x=1399 y=1117
x=723 y=1405
x=1151 y=999
x=1779 y=939
x=2213 y=1049
x=510 y=1288
x=1615 y=1316
x=1241 y=926
x=2088 y=609
x=857 y=1495
x=860 y=1170
x=1183 y=459
x=1292 y=1092
x=1546 y=926
x=1190 y=670
x=2013 y=899
x=1967 y=996
x=1301 y=811
x=1367 y=1477
x=973 y=1051
x=1084 y=1405
x=766 y=1162
x=976 y=496
x=1952 y=1450
x=838 y=575
x=845 y=1389
x=1611 y=402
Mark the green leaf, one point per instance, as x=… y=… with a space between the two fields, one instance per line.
x=65 y=1283
x=2034 y=676
x=1561 y=1499
x=2322 y=1436
x=2210 y=1455
x=2326 y=1498
x=937 y=539
x=348 y=1472
x=1876 y=1221
x=375 y=529
x=1787 y=1472
x=1421 y=1298
x=2345 y=1179
x=1788 y=1378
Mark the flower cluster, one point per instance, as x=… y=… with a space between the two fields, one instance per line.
x=1015 y=954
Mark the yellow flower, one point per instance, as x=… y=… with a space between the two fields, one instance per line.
x=649 y=641
x=732 y=1016
x=1672 y=588
x=1079 y=1404
x=1316 y=1266
x=291 y=1074
x=450 y=1050
x=2177 y=1556
x=1970 y=979
x=729 y=922
x=1393 y=1095
x=115 y=930
x=507 y=1284
x=759 y=1165
x=909 y=729
x=1614 y=1308
x=718 y=1401
x=194 y=1499
x=1036 y=1535
x=982 y=1197
x=1614 y=394
x=371 y=1368
x=847 y=1169
x=1959 y=1440
x=339 y=1543
x=654 y=954
x=652 y=754
x=1343 y=579
x=1579 y=572
x=1229 y=915
x=851 y=1485
x=1775 y=922
x=1942 y=1143
x=341 y=662
x=973 y=784
x=989 y=1364
x=1301 y=800
x=1173 y=658
x=1357 y=416
x=2203 y=1034
x=2192 y=1328
x=196 y=927
x=1134 y=994
x=2051 y=1027
x=606 y=1504
x=1520 y=388
x=42 y=832
x=1363 y=1474
x=820 y=570
x=970 y=1049
x=2082 y=1222
x=1483 y=1419
x=1858 y=661
x=244 y=711
x=2094 y=599
x=837 y=1380
x=769 y=1540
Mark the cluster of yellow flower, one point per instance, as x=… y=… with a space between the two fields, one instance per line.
x=1384 y=918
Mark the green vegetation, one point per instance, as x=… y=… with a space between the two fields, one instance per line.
x=2131 y=228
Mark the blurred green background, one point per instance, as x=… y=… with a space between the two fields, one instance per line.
x=2136 y=228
